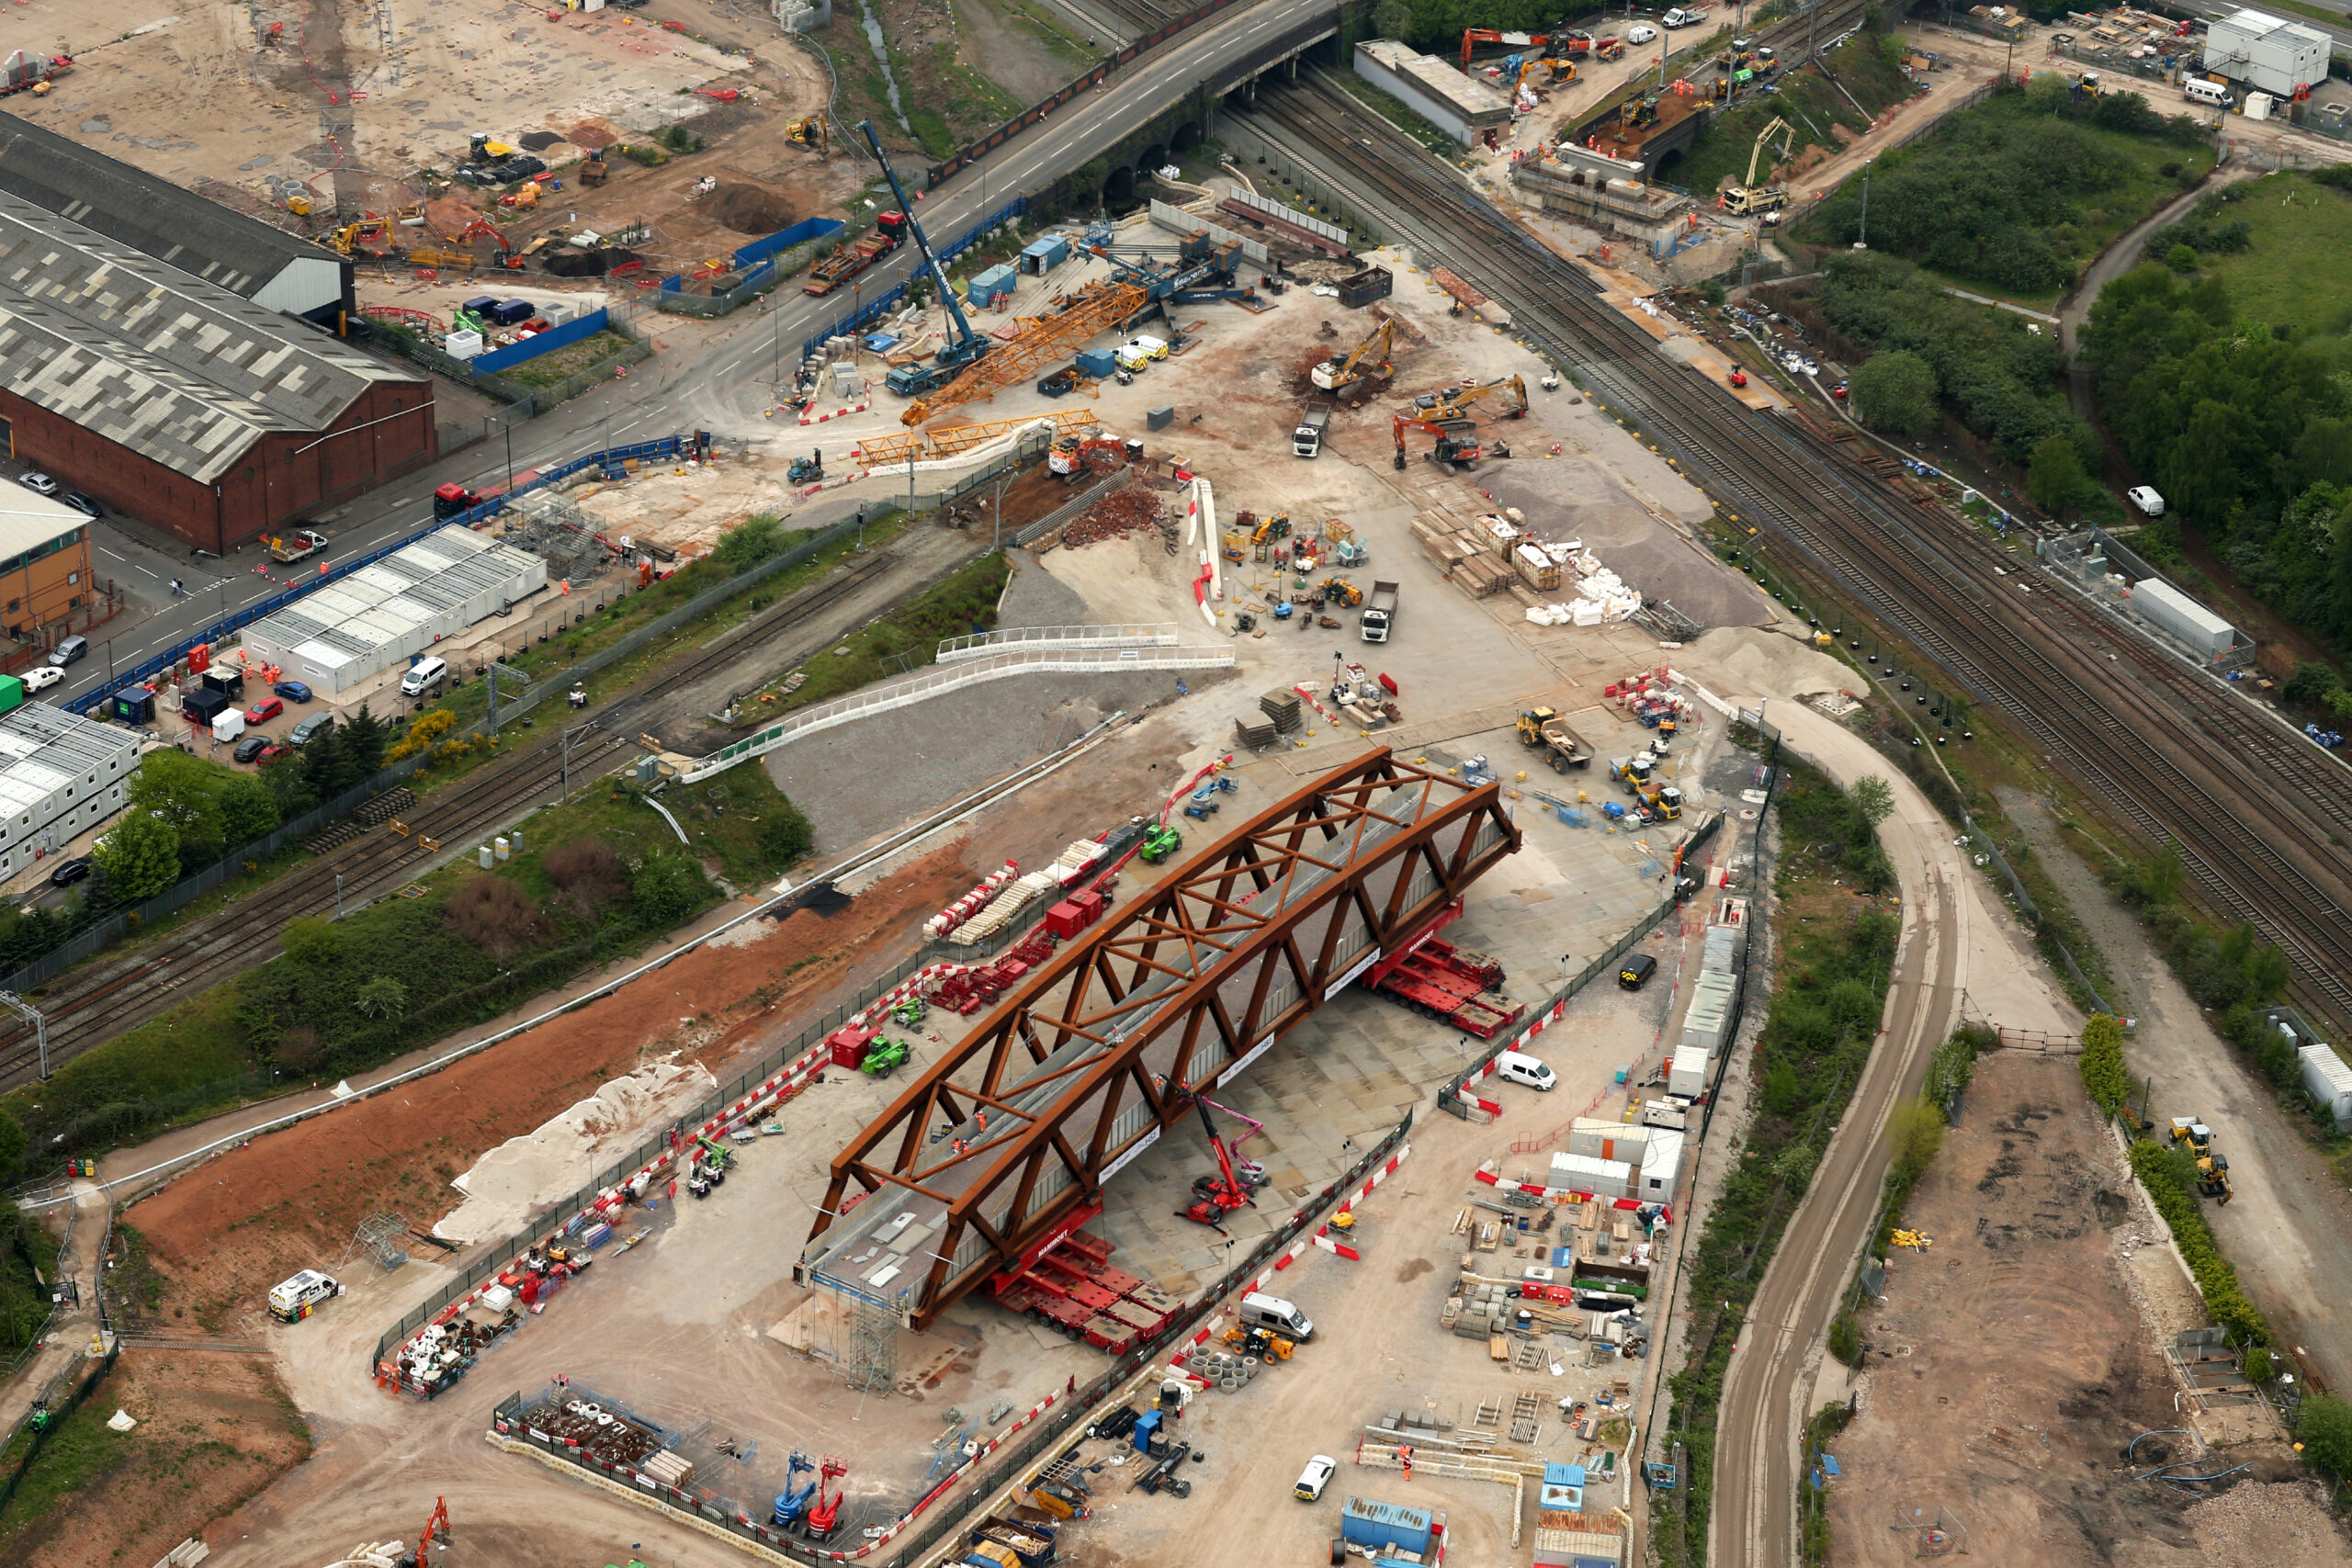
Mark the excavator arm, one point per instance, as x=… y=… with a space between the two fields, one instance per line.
x=1337 y=376
x=1788 y=138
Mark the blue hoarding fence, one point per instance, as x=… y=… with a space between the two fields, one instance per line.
x=873 y=310
x=547 y=342
x=610 y=460
x=783 y=240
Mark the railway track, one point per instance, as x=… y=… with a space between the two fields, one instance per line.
x=107 y=1002
x=1134 y=17
x=2161 y=747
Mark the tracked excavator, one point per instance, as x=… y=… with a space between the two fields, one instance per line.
x=1457 y=441
x=1455 y=403
x=1367 y=360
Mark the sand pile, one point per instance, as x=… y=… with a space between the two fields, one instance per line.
x=1743 y=661
x=556 y=1158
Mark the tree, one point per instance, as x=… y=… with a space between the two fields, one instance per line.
x=12 y=1149
x=183 y=792
x=2324 y=1431
x=2257 y=1364
x=141 y=856
x=2054 y=477
x=784 y=835
x=667 y=887
x=1783 y=1090
x=2161 y=882
x=283 y=780
x=248 y=809
x=326 y=765
x=1392 y=18
x=1794 y=1166
x=1875 y=798
x=364 y=738
x=2309 y=687
x=1914 y=1132
x=313 y=943
x=1846 y=1338
x=1896 y=393
x=2181 y=258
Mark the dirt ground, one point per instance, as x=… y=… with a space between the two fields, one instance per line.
x=222 y=1235
x=2008 y=1366
x=213 y=1430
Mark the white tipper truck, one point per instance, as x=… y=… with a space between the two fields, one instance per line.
x=1307 y=439
x=1379 y=611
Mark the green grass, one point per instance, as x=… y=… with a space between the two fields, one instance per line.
x=905 y=640
x=1048 y=29
x=2294 y=272
x=561 y=365
x=2316 y=12
x=1392 y=109
x=79 y=1453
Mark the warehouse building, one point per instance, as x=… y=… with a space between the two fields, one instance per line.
x=60 y=774
x=1462 y=106
x=44 y=565
x=242 y=254
x=357 y=626
x=181 y=402
x=2266 y=54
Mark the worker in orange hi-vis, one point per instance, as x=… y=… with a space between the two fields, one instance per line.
x=323 y=568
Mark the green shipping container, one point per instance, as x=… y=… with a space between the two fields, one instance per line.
x=12 y=694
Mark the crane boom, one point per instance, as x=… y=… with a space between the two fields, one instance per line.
x=964 y=346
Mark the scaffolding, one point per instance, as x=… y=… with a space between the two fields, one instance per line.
x=381 y=1237
x=556 y=531
x=871 y=1363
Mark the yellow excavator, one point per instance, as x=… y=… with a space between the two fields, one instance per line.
x=1367 y=360
x=1750 y=199
x=1455 y=403
x=346 y=239
x=808 y=133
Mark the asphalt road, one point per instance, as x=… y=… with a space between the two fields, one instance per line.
x=716 y=387
x=1754 y=1521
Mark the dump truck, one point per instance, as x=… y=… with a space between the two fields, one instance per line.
x=889 y=233
x=1307 y=439
x=1379 y=611
x=1561 y=747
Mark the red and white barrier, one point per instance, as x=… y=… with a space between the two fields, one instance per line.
x=837 y=413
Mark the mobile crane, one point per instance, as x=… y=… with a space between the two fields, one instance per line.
x=1214 y=1197
x=1455 y=441
x=1455 y=403
x=1367 y=360
x=1750 y=199
x=964 y=346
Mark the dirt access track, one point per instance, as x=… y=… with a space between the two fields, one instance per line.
x=351 y=101
x=2008 y=1367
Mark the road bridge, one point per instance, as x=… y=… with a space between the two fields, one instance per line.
x=1083 y=1065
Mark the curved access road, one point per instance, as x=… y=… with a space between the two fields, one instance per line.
x=1754 y=1511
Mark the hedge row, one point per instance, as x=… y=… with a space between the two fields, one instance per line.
x=2176 y=1201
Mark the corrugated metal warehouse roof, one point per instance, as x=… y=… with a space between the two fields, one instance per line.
x=175 y=368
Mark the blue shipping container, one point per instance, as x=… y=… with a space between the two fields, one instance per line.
x=997 y=280
x=1096 y=362
x=1044 y=254
x=1366 y=1522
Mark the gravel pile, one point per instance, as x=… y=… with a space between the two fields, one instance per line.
x=2280 y=1525
x=1036 y=598
x=1130 y=510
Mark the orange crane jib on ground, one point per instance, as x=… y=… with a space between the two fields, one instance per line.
x=1048 y=341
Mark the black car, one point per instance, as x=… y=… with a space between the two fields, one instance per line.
x=250 y=747
x=1635 y=970
x=88 y=506
x=72 y=871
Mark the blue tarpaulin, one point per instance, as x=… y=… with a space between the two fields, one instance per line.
x=531 y=347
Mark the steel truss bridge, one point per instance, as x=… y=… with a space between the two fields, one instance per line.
x=1085 y=1064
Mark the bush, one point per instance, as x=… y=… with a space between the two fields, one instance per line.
x=1845 y=1340
x=2323 y=1432
x=587 y=875
x=428 y=729
x=2257 y=1364
x=139 y=857
x=2173 y=1189
x=2105 y=1075
x=492 y=916
x=1915 y=1134
x=313 y=943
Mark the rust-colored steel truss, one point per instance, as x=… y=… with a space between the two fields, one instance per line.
x=1085 y=1062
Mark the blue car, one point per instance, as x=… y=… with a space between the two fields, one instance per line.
x=292 y=691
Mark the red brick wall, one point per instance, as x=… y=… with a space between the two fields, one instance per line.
x=283 y=479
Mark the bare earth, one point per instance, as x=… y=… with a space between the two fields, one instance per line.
x=2008 y=1369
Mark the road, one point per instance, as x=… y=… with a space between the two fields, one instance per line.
x=716 y=387
x=1754 y=1522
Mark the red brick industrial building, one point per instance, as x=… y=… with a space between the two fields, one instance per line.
x=181 y=402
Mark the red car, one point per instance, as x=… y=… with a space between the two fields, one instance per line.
x=265 y=710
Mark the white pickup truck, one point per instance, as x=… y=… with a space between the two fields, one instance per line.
x=1679 y=17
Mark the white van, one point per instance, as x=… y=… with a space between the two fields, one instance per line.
x=2149 y=502
x=1262 y=1311
x=2203 y=90
x=423 y=676
x=292 y=1301
x=1152 y=347
x=1516 y=1067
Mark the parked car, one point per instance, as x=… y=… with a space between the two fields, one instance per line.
x=72 y=649
x=250 y=748
x=88 y=506
x=265 y=710
x=273 y=751
x=38 y=483
x=1315 y=1477
x=70 y=873
x=292 y=691
x=1635 y=971
x=1642 y=33
x=40 y=677
x=310 y=728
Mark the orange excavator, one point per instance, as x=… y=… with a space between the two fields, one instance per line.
x=484 y=229
x=1456 y=441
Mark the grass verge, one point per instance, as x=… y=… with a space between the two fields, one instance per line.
x=1834 y=943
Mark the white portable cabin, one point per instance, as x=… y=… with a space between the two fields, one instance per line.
x=1661 y=1167
x=1590 y=1173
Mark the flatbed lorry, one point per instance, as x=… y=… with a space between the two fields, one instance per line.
x=889 y=233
